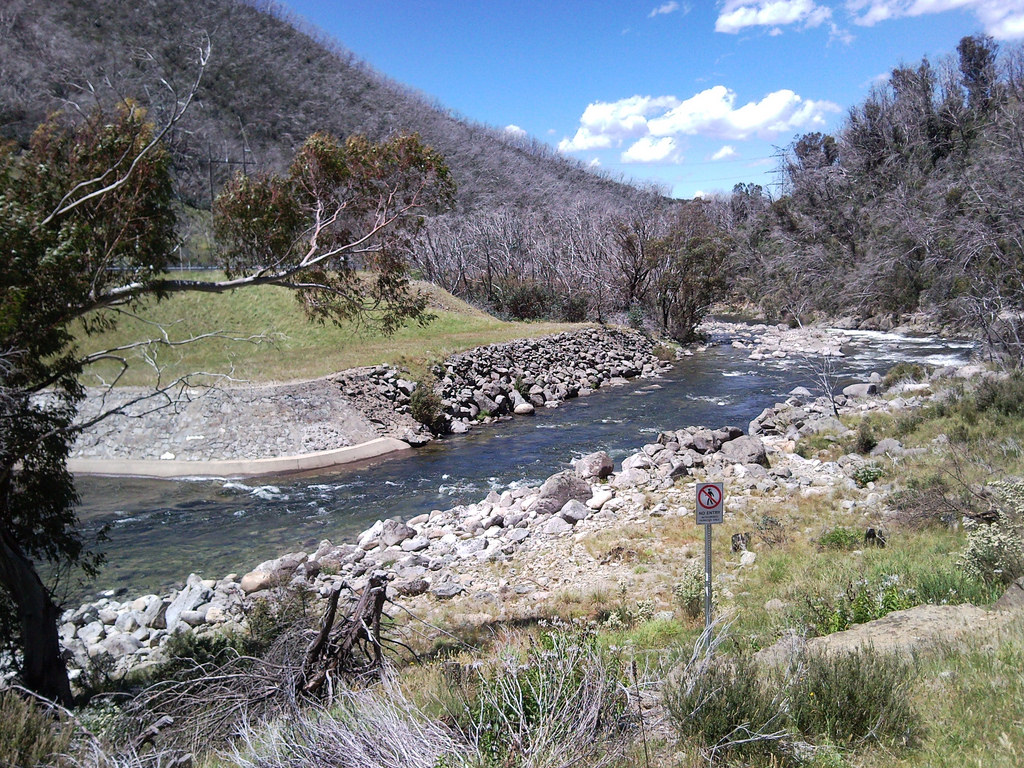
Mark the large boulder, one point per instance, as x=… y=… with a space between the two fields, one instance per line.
x=193 y=595
x=1013 y=598
x=272 y=573
x=559 y=489
x=594 y=465
x=574 y=511
x=861 y=390
x=395 y=532
x=520 y=406
x=745 y=450
x=630 y=478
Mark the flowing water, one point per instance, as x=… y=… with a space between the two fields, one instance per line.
x=160 y=531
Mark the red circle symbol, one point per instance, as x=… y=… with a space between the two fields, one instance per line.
x=709 y=497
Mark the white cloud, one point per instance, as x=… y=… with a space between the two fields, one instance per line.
x=604 y=125
x=725 y=153
x=515 y=131
x=737 y=15
x=1003 y=19
x=837 y=33
x=652 y=150
x=700 y=193
x=646 y=122
x=595 y=162
x=666 y=8
x=712 y=112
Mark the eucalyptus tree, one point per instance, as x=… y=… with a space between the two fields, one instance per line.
x=88 y=226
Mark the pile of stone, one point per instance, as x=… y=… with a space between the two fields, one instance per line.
x=119 y=636
x=519 y=376
x=384 y=397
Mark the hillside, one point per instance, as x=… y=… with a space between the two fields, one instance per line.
x=268 y=85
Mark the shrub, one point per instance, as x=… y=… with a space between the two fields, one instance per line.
x=861 y=601
x=908 y=423
x=377 y=727
x=30 y=734
x=426 y=407
x=573 y=309
x=903 y=372
x=995 y=553
x=853 y=697
x=664 y=352
x=771 y=531
x=865 y=439
x=840 y=538
x=721 y=703
x=731 y=707
x=689 y=592
x=189 y=654
x=866 y=474
x=635 y=317
x=525 y=300
x=1003 y=396
x=560 y=702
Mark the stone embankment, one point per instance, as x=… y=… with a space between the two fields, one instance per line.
x=358 y=405
x=512 y=551
x=517 y=377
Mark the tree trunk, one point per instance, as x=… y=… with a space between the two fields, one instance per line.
x=45 y=672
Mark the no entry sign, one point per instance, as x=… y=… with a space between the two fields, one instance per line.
x=710 y=504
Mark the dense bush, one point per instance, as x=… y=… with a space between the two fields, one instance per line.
x=30 y=735
x=523 y=300
x=995 y=553
x=689 y=591
x=904 y=372
x=722 y=703
x=1002 y=396
x=852 y=697
x=733 y=707
x=840 y=538
x=861 y=601
x=866 y=474
x=426 y=407
x=865 y=439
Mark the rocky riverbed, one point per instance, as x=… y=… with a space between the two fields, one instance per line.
x=519 y=552
x=515 y=553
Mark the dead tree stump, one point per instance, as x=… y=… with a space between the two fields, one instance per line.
x=350 y=648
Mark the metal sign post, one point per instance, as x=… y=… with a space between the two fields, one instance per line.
x=710 y=511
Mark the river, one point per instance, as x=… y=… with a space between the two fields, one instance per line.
x=160 y=531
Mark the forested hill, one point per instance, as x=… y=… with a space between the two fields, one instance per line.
x=268 y=86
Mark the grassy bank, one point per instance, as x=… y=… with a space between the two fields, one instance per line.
x=262 y=335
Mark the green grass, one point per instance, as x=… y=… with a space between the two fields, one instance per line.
x=971 y=699
x=268 y=337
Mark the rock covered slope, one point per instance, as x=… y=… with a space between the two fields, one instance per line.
x=355 y=406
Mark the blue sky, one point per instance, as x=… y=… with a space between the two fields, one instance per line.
x=693 y=96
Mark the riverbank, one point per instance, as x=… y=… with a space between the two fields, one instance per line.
x=246 y=430
x=525 y=550
x=837 y=529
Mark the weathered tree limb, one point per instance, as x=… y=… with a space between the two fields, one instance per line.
x=353 y=647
